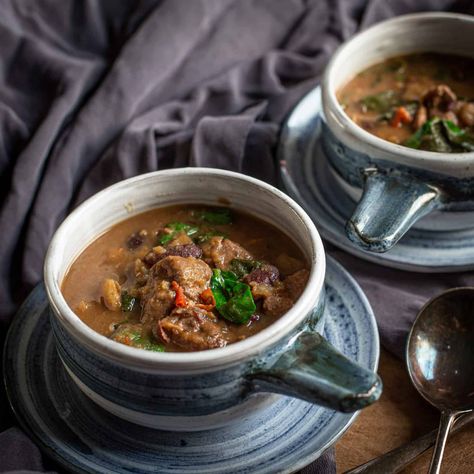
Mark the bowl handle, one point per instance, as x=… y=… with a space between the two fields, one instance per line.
x=389 y=205
x=313 y=370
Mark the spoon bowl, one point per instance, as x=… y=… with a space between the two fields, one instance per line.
x=440 y=358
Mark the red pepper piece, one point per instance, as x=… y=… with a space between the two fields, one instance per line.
x=400 y=117
x=207 y=297
x=180 y=298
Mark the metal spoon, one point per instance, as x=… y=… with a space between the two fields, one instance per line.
x=440 y=359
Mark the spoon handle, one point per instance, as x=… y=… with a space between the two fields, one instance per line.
x=445 y=424
x=395 y=460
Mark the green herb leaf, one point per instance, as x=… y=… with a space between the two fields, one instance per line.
x=218 y=287
x=381 y=102
x=243 y=267
x=458 y=136
x=128 y=302
x=148 y=345
x=241 y=306
x=176 y=228
x=442 y=136
x=437 y=141
x=414 y=141
x=234 y=300
x=217 y=216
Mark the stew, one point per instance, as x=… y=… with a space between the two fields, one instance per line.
x=423 y=101
x=185 y=278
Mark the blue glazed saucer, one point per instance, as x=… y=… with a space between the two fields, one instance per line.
x=82 y=437
x=307 y=177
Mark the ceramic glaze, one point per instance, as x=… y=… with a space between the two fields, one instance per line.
x=283 y=436
x=425 y=181
x=151 y=388
x=173 y=401
x=435 y=221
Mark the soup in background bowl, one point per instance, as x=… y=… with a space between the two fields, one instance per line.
x=423 y=101
x=406 y=154
x=140 y=239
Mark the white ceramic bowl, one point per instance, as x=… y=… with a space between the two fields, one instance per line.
x=186 y=390
x=351 y=149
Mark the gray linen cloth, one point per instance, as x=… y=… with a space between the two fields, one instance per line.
x=95 y=91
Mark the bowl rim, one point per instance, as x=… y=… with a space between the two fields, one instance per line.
x=343 y=121
x=201 y=361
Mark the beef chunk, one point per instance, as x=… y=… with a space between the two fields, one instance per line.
x=157 y=299
x=266 y=274
x=285 y=294
x=296 y=283
x=440 y=96
x=261 y=290
x=190 y=273
x=278 y=303
x=154 y=255
x=191 y=328
x=221 y=251
x=440 y=101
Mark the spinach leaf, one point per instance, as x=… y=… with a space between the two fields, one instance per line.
x=429 y=137
x=414 y=141
x=437 y=141
x=176 y=228
x=128 y=302
x=442 y=136
x=218 y=286
x=381 y=102
x=459 y=136
x=220 y=215
x=143 y=342
x=234 y=300
x=243 y=267
x=148 y=345
x=240 y=307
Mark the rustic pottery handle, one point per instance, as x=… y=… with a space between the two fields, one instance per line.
x=313 y=370
x=391 y=203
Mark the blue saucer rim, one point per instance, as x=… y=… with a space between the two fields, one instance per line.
x=21 y=411
x=333 y=232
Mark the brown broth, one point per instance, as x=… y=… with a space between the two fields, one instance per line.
x=409 y=77
x=109 y=257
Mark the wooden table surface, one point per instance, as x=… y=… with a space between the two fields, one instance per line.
x=400 y=416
